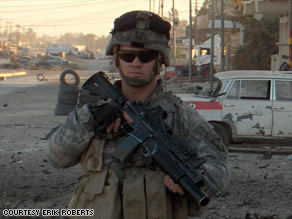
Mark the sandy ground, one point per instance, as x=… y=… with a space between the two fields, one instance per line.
x=259 y=188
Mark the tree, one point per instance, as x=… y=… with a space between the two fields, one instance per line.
x=202 y=34
x=101 y=43
x=69 y=38
x=260 y=37
x=31 y=36
x=180 y=25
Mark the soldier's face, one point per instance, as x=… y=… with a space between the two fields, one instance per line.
x=136 y=62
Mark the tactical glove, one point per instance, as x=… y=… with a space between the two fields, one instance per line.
x=105 y=114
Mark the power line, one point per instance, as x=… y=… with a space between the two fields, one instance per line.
x=77 y=19
x=102 y=13
x=40 y=8
x=56 y=15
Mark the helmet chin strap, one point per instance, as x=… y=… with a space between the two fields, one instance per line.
x=134 y=82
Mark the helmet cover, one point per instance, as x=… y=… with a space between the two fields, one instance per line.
x=141 y=29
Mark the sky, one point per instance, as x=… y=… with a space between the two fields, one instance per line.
x=56 y=17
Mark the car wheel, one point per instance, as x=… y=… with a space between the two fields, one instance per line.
x=222 y=132
x=71 y=72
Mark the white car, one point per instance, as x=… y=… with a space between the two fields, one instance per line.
x=248 y=105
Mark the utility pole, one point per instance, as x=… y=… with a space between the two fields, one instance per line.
x=212 y=46
x=190 y=43
x=162 y=4
x=17 y=39
x=222 y=35
x=23 y=36
x=290 y=34
x=0 y=34
x=6 y=29
x=196 y=22
x=149 y=5
x=173 y=34
x=10 y=30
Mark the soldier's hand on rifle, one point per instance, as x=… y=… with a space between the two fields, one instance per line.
x=117 y=123
x=108 y=116
x=172 y=186
x=105 y=114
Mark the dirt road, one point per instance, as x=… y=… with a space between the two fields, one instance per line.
x=259 y=188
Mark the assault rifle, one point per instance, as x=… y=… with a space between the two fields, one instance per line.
x=152 y=135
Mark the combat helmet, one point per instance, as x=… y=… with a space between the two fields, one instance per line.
x=142 y=29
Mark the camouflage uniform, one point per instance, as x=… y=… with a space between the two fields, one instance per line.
x=132 y=189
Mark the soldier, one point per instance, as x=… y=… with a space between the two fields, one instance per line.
x=89 y=135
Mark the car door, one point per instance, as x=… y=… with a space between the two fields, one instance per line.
x=247 y=107
x=282 y=109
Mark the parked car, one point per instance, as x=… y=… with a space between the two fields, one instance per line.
x=248 y=105
x=18 y=58
x=85 y=55
x=56 y=60
x=48 y=61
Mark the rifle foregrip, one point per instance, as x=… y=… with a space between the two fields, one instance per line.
x=181 y=178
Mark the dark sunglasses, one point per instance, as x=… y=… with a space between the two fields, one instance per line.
x=144 y=55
